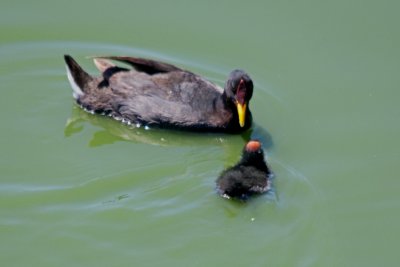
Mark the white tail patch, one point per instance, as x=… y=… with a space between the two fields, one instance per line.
x=77 y=91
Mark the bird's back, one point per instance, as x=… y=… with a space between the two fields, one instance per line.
x=176 y=98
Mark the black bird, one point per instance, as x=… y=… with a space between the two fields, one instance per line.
x=154 y=93
x=248 y=177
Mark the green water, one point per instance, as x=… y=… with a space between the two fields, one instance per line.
x=79 y=190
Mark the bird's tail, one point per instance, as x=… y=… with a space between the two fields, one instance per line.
x=78 y=78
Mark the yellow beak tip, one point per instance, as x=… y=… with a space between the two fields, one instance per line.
x=241 y=109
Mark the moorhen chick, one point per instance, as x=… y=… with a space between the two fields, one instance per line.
x=250 y=176
x=154 y=93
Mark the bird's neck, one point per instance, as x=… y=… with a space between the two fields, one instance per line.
x=256 y=160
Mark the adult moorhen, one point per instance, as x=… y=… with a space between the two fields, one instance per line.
x=248 y=177
x=154 y=93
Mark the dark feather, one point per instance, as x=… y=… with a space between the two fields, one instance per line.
x=248 y=177
x=157 y=93
x=81 y=77
x=145 y=65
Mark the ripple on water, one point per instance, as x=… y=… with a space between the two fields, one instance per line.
x=132 y=198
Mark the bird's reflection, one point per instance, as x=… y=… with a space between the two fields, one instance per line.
x=113 y=131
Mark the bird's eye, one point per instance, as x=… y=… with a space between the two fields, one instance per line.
x=234 y=85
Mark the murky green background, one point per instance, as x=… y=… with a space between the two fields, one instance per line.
x=79 y=190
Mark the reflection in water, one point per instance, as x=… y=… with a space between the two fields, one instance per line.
x=113 y=131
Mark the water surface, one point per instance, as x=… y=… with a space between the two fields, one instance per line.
x=81 y=190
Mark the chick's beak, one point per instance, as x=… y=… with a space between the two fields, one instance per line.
x=241 y=109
